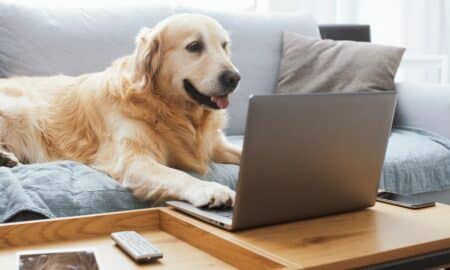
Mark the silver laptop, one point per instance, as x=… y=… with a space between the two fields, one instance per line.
x=306 y=156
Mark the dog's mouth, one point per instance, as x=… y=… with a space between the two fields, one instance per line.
x=214 y=102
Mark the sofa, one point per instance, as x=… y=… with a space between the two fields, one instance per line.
x=46 y=40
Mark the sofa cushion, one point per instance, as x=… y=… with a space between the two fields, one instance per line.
x=313 y=65
x=45 y=40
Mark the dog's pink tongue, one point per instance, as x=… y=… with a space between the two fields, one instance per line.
x=222 y=102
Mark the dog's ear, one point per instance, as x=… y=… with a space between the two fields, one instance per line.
x=146 y=58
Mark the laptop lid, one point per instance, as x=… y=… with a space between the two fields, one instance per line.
x=311 y=155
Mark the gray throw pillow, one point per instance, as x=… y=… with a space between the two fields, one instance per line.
x=311 y=65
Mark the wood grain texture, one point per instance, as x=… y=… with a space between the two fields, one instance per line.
x=177 y=254
x=94 y=232
x=379 y=234
x=45 y=231
x=213 y=241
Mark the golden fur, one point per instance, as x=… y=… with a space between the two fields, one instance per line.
x=134 y=120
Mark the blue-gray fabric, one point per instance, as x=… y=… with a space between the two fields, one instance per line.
x=416 y=161
x=59 y=189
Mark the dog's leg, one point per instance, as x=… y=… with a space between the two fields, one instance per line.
x=225 y=152
x=7 y=159
x=150 y=180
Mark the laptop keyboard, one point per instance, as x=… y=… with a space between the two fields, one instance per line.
x=228 y=213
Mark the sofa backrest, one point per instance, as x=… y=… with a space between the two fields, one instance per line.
x=36 y=40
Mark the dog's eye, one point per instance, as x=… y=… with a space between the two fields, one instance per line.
x=224 y=45
x=195 y=47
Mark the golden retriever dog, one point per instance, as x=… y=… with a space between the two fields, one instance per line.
x=144 y=120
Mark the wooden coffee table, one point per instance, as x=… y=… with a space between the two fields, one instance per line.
x=381 y=237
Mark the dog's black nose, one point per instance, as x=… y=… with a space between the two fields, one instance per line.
x=229 y=79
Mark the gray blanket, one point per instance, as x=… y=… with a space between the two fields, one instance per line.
x=416 y=161
x=58 y=189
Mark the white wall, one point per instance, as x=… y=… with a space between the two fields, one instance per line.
x=422 y=26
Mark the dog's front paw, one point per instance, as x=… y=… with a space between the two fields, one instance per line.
x=8 y=159
x=211 y=195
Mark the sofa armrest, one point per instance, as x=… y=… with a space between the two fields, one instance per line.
x=424 y=105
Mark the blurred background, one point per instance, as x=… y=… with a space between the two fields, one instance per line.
x=422 y=26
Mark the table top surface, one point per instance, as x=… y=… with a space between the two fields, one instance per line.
x=376 y=235
x=379 y=234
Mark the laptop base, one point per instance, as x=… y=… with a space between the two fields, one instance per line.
x=211 y=216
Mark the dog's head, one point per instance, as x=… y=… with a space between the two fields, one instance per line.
x=187 y=57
